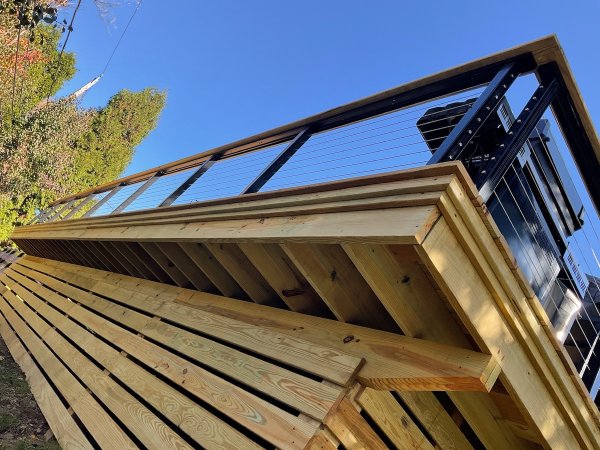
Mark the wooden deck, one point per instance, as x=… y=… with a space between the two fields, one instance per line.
x=375 y=312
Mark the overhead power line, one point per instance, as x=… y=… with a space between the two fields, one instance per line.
x=121 y=37
x=70 y=29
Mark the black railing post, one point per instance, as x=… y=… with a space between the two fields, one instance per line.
x=468 y=126
x=106 y=198
x=493 y=171
x=84 y=202
x=43 y=215
x=191 y=180
x=57 y=213
x=139 y=191
x=278 y=162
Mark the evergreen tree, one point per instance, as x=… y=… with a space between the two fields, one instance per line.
x=106 y=149
x=50 y=149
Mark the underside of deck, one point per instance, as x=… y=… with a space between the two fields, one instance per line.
x=375 y=312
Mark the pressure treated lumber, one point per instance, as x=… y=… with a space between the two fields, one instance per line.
x=392 y=361
x=471 y=298
x=306 y=395
x=102 y=427
x=277 y=426
x=63 y=426
x=276 y=268
x=535 y=401
x=146 y=426
x=400 y=226
x=385 y=410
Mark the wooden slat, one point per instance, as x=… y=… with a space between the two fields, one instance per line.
x=135 y=260
x=273 y=424
x=143 y=423
x=304 y=394
x=100 y=425
x=215 y=272
x=352 y=429
x=397 y=425
x=434 y=418
x=199 y=424
x=339 y=284
x=244 y=273
x=112 y=257
x=63 y=426
x=280 y=273
x=93 y=248
x=90 y=259
x=391 y=359
x=147 y=260
x=323 y=361
x=116 y=254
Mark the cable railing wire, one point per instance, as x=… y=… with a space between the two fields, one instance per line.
x=494 y=193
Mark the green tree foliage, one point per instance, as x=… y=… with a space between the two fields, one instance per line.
x=106 y=149
x=51 y=149
x=33 y=73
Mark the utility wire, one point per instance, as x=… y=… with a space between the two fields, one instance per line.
x=70 y=29
x=121 y=37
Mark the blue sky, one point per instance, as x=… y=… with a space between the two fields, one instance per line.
x=232 y=69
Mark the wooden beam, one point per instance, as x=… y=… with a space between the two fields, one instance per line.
x=339 y=284
x=244 y=273
x=215 y=272
x=393 y=420
x=149 y=262
x=473 y=301
x=352 y=429
x=276 y=268
x=186 y=266
x=135 y=260
x=395 y=189
x=434 y=418
x=166 y=265
x=405 y=291
x=394 y=225
x=116 y=253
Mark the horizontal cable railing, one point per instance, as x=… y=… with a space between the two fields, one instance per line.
x=383 y=143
